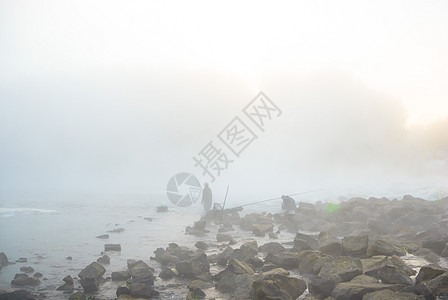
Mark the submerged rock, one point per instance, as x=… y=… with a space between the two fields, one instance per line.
x=104 y=260
x=27 y=269
x=25 y=280
x=112 y=247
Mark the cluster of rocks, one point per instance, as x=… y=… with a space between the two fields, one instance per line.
x=356 y=254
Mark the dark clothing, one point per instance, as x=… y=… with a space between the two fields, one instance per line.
x=289 y=203
x=207 y=198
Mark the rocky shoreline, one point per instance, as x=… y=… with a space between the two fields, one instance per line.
x=358 y=249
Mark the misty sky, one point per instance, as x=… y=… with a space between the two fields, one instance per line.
x=118 y=96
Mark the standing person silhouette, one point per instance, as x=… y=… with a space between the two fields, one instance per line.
x=206 y=198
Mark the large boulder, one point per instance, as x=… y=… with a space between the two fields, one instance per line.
x=439 y=285
x=356 y=290
x=94 y=270
x=90 y=277
x=322 y=286
x=429 y=272
x=25 y=280
x=304 y=242
x=435 y=239
x=286 y=260
x=278 y=286
x=355 y=246
x=142 y=290
x=381 y=247
x=329 y=244
x=236 y=279
x=272 y=247
x=260 y=229
x=372 y=266
x=392 y=274
x=345 y=267
x=311 y=262
x=193 y=267
x=141 y=272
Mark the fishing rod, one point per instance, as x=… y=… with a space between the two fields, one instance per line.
x=224 y=204
x=271 y=199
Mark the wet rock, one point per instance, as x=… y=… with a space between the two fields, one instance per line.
x=304 y=242
x=311 y=262
x=3 y=259
x=327 y=243
x=112 y=247
x=68 y=279
x=272 y=235
x=141 y=273
x=142 y=290
x=246 y=252
x=277 y=286
x=38 y=275
x=17 y=295
x=103 y=236
x=287 y=260
x=69 y=258
x=439 y=285
x=94 y=270
x=223 y=257
x=261 y=229
x=22 y=260
x=195 y=293
x=104 y=260
x=268 y=266
x=167 y=274
x=322 y=286
x=345 y=267
x=201 y=245
x=193 y=267
x=90 y=277
x=390 y=295
x=429 y=272
x=25 y=280
x=223 y=237
x=66 y=287
x=236 y=279
x=123 y=290
x=167 y=259
x=120 y=276
x=371 y=266
x=27 y=269
x=355 y=246
x=434 y=239
x=355 y=290
x=392 y=274
x=272 y=247
x=381 y=247
x=420 y=289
